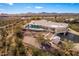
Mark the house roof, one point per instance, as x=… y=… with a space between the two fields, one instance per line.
x=49 y=24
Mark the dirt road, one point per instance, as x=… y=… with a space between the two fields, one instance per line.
x=73 y=31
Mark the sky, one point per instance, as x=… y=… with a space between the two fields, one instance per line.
x=13 y=8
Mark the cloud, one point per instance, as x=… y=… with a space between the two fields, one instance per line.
x=10 y=4
x=38 y=7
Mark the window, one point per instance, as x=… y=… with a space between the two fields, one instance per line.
x=35 y=26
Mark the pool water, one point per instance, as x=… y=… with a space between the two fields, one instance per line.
x=35 y=26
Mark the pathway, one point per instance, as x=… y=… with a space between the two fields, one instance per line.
x=73 y=31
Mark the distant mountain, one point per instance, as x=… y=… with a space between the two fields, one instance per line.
x=38 y=14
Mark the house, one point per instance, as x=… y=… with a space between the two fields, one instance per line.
x=44 y=25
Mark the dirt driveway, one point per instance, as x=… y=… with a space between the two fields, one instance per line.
x=29 y=39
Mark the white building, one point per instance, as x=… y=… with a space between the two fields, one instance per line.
x=44 y=25
x=56 y=39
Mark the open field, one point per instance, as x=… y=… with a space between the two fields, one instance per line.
x=11 y=26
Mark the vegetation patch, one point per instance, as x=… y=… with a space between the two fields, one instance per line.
x=74 y=26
